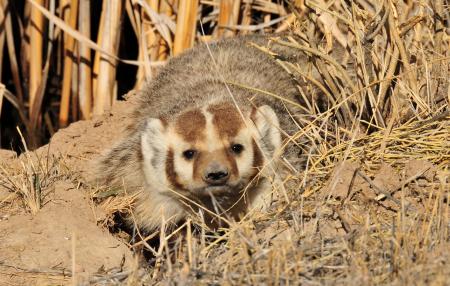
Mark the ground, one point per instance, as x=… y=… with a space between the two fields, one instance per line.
x=64 y=235
x=380 y=215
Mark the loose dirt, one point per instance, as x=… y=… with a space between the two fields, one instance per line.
x=64 y=235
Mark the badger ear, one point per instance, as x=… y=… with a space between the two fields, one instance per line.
x=268 y=126
x=153 y=146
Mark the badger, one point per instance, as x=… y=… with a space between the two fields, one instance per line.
x=206 y=134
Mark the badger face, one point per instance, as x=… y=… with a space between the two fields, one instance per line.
x=212 y=150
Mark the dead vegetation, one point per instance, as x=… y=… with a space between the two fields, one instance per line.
x=30 y=177
x=372 y=204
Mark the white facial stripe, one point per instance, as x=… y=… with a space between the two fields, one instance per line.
x=245 y=159
x=153 y=144
x=213 y=141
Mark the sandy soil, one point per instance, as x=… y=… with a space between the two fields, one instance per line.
x=64 y=235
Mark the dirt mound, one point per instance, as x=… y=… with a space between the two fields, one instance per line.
x=62 y=236
x=82 y=141
x=59 y=234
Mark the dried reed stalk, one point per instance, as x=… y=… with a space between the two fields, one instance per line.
x=64 y=9
x=149 y=45
x=12 y=50
x=110 y=30
x=228 y=16
x=35 y=113
x=25 y=45
x=2 y=41
x=267 y=19
x=246 y=17
x=2 y=92
x=64 y=15
x=85 y=62
x=132 y=17
x=96 y=68
x=69 y=44
x=268 y=6
x=74 y=84
x=186 y=25
x=286 y=24
x=152 y=36
x=36 y=47
x=165 y=8
x=134 y=13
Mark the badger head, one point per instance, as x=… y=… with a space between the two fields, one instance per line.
x=214 y=150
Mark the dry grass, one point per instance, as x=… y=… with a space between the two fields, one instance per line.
x=335 y=227
x=372 y=205
x=31 y=177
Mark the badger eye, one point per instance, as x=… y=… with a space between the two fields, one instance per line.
x=237 y=148
x=189 y=154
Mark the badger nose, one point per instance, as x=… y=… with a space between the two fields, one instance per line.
x=216 y=175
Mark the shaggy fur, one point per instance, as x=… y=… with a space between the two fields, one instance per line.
x=188 y=105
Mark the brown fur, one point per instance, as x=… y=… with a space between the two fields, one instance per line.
x=233 y=166
x=176 y=96
x=226 y=119
x=170 y=170
x=221 y=156
x=190 y=125
x=257 y=156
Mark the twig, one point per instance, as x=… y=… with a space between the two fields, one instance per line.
x=377 y=29
x=377 y=189
x=435 y=118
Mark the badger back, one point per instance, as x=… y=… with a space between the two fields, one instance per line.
x=225 y=69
